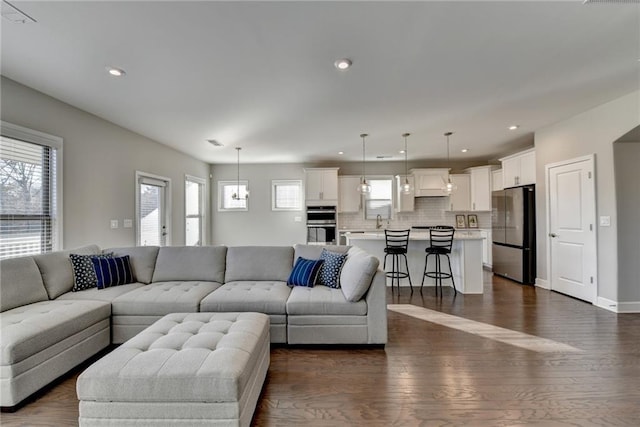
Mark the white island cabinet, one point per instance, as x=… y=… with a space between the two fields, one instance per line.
x=466 y=257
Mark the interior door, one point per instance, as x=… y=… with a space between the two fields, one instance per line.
x=572 y=237
x=152 y=211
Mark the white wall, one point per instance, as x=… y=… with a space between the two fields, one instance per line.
x=593 y=131
x=99 y=162
x=627 y=164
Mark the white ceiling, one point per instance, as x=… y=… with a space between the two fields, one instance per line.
x=260 y=75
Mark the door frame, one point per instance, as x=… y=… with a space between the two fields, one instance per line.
x=167 y=203
x=547 y=168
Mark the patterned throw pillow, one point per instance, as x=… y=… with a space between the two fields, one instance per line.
x=112 y=271
x=84 y=276
x=304 y=273
x=330 y=271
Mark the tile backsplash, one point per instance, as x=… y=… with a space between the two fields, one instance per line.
x=427 y=211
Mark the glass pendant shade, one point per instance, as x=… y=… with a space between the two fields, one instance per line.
x=236 y=195
x=363 y=187
x=406 y=188
x=449 y=186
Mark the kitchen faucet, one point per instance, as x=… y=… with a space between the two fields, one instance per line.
x=378 y=221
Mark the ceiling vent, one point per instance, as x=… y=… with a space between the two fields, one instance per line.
x=14 y=15
x=215 y=143
x=612 y=1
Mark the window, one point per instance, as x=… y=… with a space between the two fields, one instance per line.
x=380 y=200
x=30 y=192
x=286 y=195
x=226 y=192
x=153 y=210
x=194 y=211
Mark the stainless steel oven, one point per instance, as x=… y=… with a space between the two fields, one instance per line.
x=321 y=225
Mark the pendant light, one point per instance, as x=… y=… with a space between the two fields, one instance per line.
x=449 y=186
x=363 y=187
x=236 y=195
x=406 y=187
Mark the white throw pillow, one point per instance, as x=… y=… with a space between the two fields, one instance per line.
x=357 y=274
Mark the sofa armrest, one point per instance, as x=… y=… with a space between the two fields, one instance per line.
x=376 y=299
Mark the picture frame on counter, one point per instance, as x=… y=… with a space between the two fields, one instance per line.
x=461 y=221
x=472 y=220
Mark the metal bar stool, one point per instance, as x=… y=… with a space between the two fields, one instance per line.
x=441 y=240
x=397 y=242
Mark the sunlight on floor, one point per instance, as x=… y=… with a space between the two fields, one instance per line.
x=485 y=330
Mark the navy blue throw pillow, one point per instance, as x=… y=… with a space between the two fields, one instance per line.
x=330 y=271
x=112 y=271
x=304 y=273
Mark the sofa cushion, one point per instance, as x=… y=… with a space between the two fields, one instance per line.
x=322 y=300
x=21 y=283
x=314 y=251
x=158 y=299
x=267 y=297
x=305 y=272
x=330 y=270
x=84 y=275
x=357 y=273
x=32 y=328
x=190 y=263
x=142 y=258
x=258 y=263
x=107 y=294
x=114 y=271
x=56 y=270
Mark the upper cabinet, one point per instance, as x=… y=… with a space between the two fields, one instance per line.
x=496 y=180
x=321 y=187
x=405 y=202
x=519 y=169
x=350 y=199
x=430 y=182
x=480 y=188
x=459 y=199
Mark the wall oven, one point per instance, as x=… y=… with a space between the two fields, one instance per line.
x=321 y=225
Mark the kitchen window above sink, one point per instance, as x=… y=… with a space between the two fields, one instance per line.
x=380 y=200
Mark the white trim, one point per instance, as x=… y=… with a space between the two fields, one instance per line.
x=10 y=130
x=275 y=183
x=547 y=168
x=224 y=183
x=542 y=283
x=629 y=307
x=606 y=304
x=203 y=207
x=165 y=182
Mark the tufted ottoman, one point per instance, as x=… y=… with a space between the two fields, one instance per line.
x=185 y=369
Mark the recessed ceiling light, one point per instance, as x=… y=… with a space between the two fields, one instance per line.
x=343 y=64
x=514 y=127
x=464 y=150
x=341 y=152
x=116 y=72
x=401 y=151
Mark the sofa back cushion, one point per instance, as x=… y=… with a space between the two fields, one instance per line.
x=357 y=273
x=142 y=259
x=56 y=269
x=21 y=283
x=273 y=263
x=184 y=263
x=314 y=251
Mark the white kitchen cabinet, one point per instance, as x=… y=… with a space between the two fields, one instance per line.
x=321 y=186
x=496 y=180
x=486 y=248
x=480 y=188
x=349 y=199
x=519 y=169
x=430 y=182
x=405 y=202
x=459 y=199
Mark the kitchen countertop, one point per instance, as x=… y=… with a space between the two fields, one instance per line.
x=414 y=235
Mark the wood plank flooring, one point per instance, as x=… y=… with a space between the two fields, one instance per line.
x=433 y=375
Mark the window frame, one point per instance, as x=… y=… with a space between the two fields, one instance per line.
x=166 y=202
x=367 y=197
x=275 y=183
x=20 y=133
x=232 y=183
x=202 y=207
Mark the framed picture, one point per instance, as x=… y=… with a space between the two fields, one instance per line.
x=461 y=221
x=473 y=220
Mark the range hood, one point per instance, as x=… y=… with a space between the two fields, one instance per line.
x=430 y=182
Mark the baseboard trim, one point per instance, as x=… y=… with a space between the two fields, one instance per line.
x=629 y=307
x=607 y=304
x=542 y=283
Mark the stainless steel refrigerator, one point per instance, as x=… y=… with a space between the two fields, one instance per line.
x=513 y=230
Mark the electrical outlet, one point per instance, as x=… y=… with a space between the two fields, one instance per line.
x=114 y=223
x=127 y=223
x=605 y=221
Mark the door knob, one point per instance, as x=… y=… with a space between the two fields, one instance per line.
x=553 y=235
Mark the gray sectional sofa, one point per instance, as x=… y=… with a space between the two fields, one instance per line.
x=46 y=330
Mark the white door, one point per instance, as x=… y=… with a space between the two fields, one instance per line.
x=572 y=236
x=152 y=210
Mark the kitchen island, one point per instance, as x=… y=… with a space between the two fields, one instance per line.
x=466 y=257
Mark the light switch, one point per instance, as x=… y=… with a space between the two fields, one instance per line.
x=127 y=223
x=605 y=221
x=297 y=219
x=114 y=223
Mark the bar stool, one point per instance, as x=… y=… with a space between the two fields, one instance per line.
x=397 y=242
x=441 y=240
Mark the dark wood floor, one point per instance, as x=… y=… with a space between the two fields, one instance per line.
x=432 y=375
